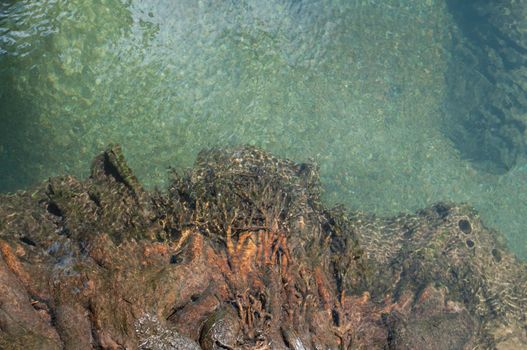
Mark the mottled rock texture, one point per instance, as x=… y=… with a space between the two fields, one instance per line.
x=240 y=253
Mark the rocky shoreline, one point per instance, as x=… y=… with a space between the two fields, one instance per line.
x=240 y=253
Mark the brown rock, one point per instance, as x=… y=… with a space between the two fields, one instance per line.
x=241 y=254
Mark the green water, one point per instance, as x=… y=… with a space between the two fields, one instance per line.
x=357 y=86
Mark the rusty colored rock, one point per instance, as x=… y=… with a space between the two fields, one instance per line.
x=240 y=253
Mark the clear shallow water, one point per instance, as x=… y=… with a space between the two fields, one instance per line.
x=357 y=86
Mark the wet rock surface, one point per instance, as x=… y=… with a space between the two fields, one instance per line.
x=240 y=253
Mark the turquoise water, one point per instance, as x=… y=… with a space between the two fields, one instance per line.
x=356 y=86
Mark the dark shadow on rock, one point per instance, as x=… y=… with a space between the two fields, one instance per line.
x=19 y=159
x=487 y=76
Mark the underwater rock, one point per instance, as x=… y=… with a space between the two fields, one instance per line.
x=447 y=326
x=156 y=337
x=240 y=253
x=487 y=78
x=220 y=330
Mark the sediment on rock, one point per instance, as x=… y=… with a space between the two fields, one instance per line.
x=240 y=253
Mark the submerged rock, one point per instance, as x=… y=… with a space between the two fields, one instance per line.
x=240 y=253
x=487 y=78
